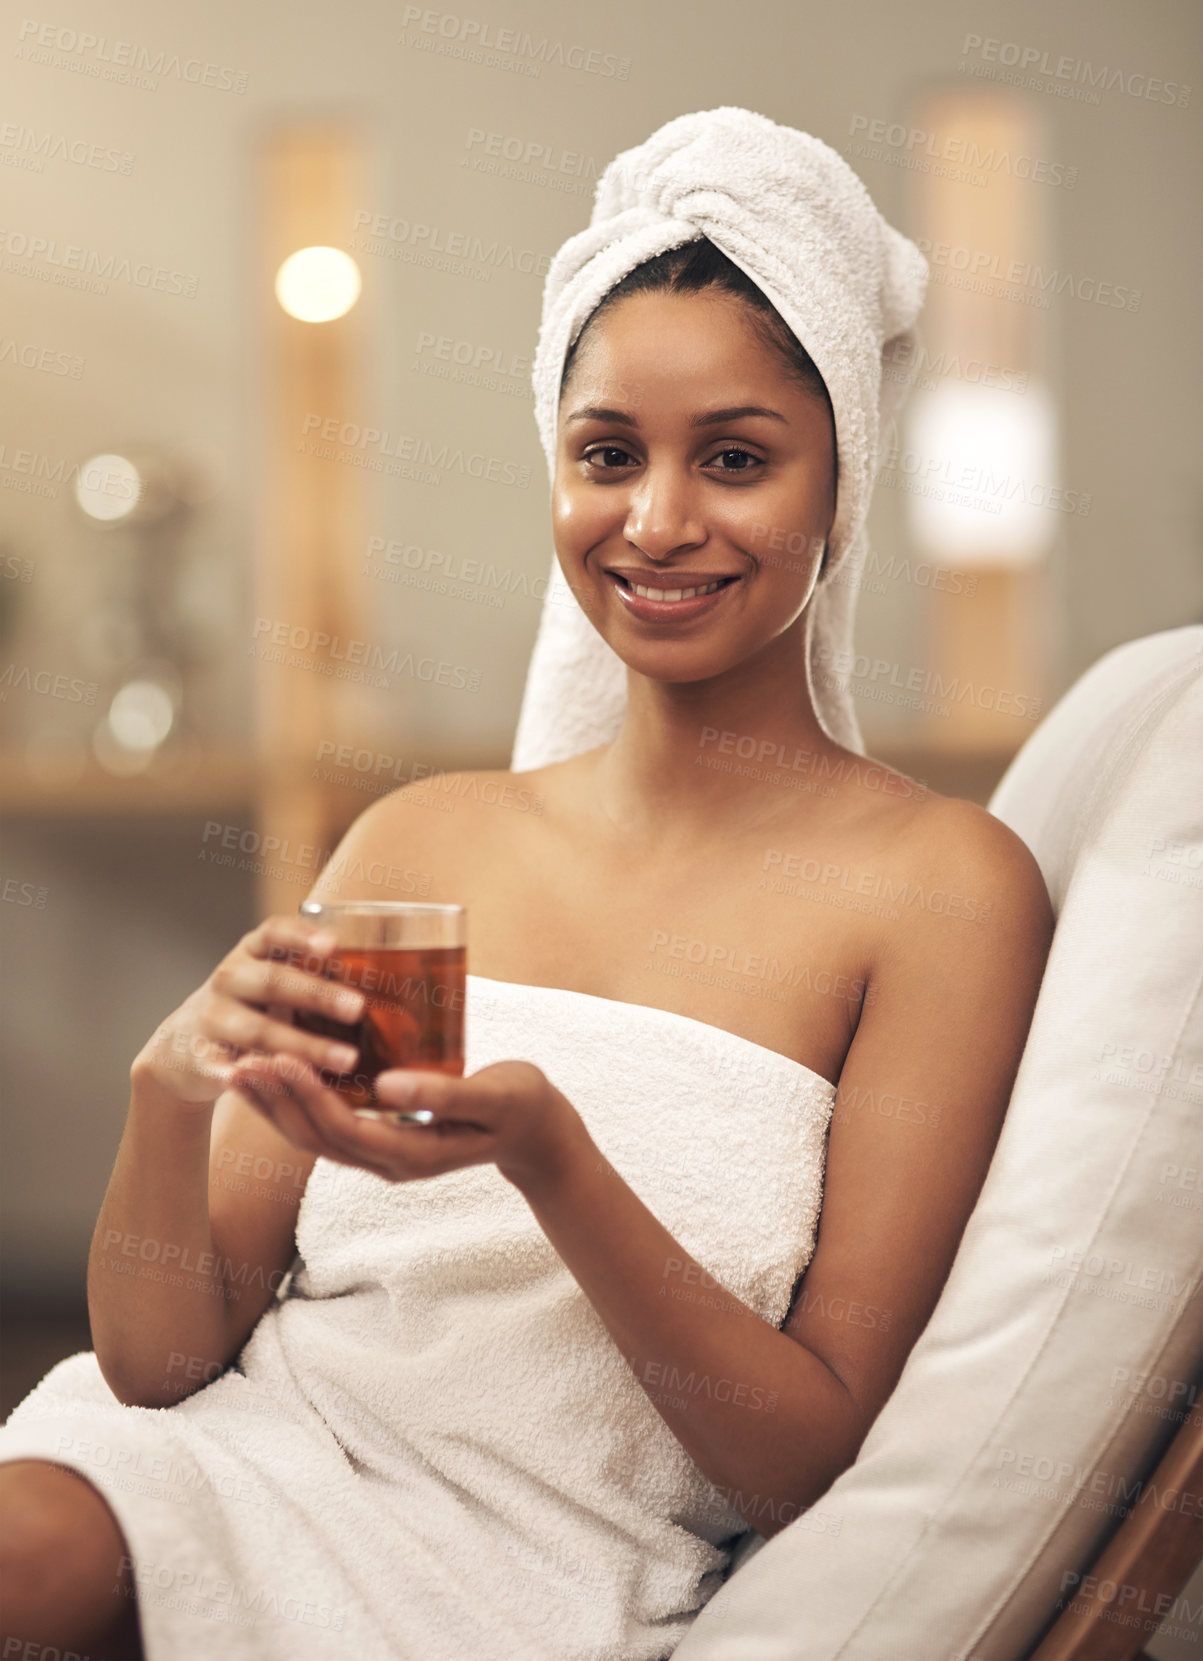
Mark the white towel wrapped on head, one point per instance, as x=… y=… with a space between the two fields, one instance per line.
x=789 y=211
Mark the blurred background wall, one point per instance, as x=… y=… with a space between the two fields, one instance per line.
x=156 y=164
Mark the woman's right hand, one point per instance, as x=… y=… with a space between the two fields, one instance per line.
x=246 y=1005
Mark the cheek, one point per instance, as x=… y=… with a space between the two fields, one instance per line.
x=740 y=523
x=781 y=537
x=578 y=516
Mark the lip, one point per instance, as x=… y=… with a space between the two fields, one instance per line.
x=670 y=611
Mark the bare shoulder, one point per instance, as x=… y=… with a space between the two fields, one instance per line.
x=969 y=864
x=486 y=787
x=913 y=855
x=963 y=933
x=410 y=839
x=395 y=847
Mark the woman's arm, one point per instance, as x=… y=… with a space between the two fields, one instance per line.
x=186 y=1255
x=765 y=1418
x=192 y=1242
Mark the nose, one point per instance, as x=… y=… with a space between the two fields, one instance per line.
x=663 y=512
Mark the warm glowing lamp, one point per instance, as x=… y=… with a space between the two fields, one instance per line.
x=316 y=285
x=994 y=452
x=141 y=715
x=108 y=487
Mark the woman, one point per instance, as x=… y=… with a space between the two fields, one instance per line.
x=547 y=1356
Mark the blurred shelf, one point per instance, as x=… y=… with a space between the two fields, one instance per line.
x=38 y=1332
x=202 y=781
x=194 y=781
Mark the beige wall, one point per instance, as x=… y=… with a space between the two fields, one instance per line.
x=129 y=927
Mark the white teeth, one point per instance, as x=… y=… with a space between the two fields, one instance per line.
x=674 y=593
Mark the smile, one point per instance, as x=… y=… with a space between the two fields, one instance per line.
x=658 y=602
x=672 y=593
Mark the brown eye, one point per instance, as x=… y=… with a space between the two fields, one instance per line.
x=743 y=455
x=609 y=450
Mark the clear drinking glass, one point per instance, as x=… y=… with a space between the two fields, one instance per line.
x=410 y=962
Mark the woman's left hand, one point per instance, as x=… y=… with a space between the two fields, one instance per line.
x=508 y=1114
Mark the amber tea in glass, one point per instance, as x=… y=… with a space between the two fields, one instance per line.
x=409 y=961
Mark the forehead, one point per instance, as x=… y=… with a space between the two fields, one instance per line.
x=666 y=335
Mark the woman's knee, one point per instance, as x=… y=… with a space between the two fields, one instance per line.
x=60 y=1548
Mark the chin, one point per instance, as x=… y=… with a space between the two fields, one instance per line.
x=675 y=663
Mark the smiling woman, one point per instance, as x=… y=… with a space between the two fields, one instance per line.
x=720 y=472
x=645 y=1276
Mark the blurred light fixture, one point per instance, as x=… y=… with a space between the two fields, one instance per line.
x=108 y=487
x=140 y=716
x=316 y=285
x=980 y=471
x=140 y=486
x=139 y=500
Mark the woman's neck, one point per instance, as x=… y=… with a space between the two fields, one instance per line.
x=694 y=760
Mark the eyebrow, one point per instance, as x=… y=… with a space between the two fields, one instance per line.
x=714 y=417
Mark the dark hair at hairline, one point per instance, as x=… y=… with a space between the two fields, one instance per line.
x=700 y=265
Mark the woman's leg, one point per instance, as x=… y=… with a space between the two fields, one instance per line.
x=64 y=1565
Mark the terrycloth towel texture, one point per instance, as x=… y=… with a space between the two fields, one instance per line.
x=791 y=213
x=431 y=1447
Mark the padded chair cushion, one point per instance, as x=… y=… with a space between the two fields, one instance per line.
x=1044 y=1386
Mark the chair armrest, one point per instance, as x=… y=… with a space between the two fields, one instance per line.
x=1151 y=1555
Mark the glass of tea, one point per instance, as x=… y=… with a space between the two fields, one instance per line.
x=410 y=962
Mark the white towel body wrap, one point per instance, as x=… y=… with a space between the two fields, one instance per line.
x=434 y=1448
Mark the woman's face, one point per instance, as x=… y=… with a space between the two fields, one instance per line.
x=662 y=482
